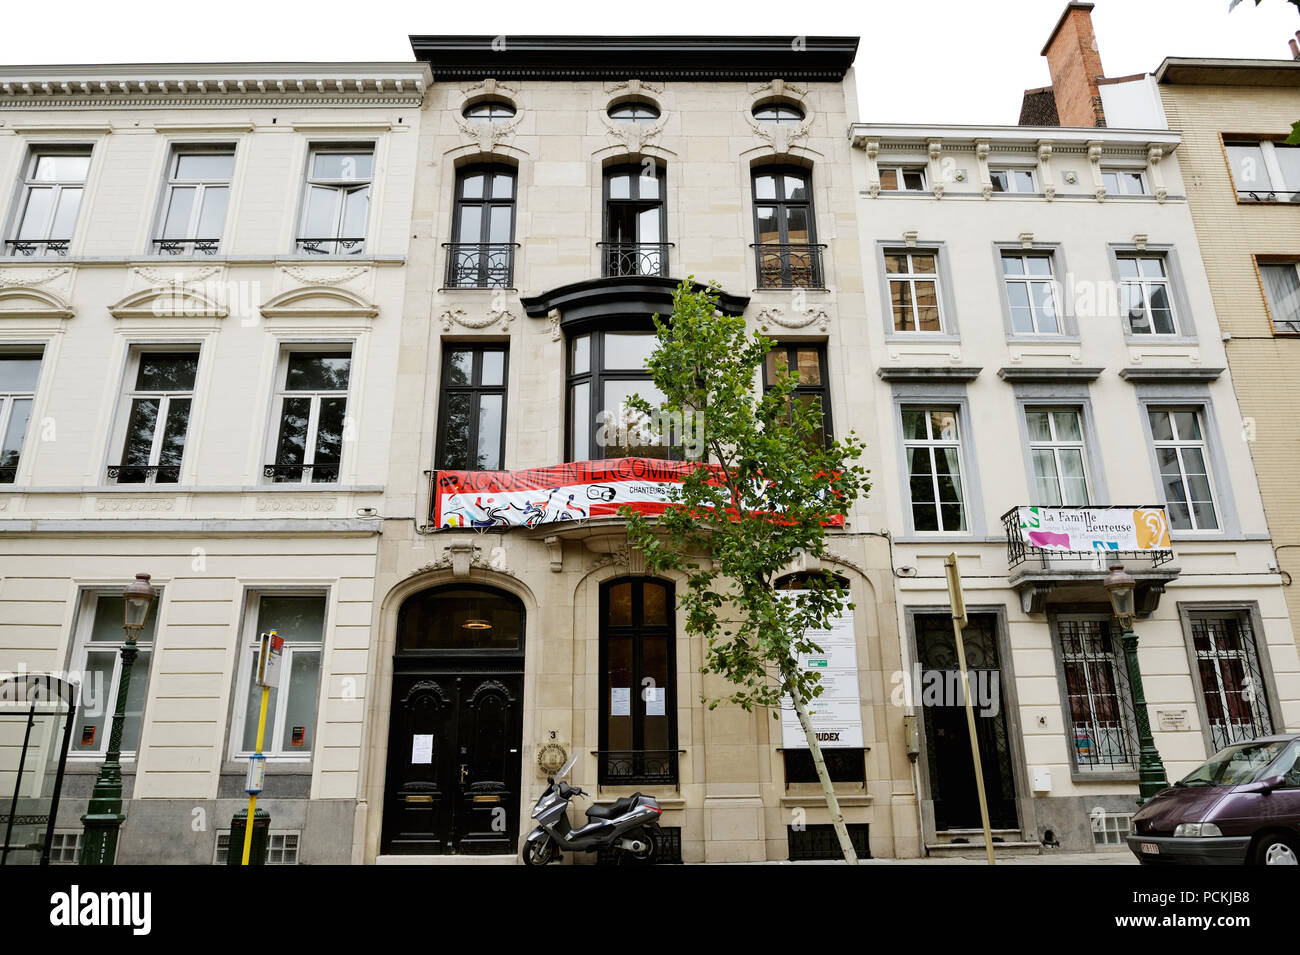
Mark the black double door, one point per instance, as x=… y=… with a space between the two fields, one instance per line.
x=454 y=763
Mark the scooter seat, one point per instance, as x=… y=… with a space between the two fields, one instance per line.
x=615 y=809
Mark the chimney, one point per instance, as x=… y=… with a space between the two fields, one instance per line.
x=1075 y=65
x=1295 y=47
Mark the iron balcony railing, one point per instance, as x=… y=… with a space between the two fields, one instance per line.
x=634 y=258
x=186 y=246
x=144 y=473
x=786 y=265
x=332 y=246
x=1019 y=549
x=618 y=767
x=1267 y=195
x=480 y=264
x=301 y=473
x=35 y=247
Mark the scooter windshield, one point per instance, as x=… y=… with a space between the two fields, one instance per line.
x=567 y=767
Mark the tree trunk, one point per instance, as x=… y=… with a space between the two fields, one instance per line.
x=824 y=776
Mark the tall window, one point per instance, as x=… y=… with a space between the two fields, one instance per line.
x=337 y=204
x=1097 y=691
x=291 y=707
x=97 y=658
x=1057 y=448
x=194 y=209
x=310 y=414
x=808 y=364
x=18 y=375
x=1031 y=293
x=1124 y=182
x=1264 y=170
x=933 y=448
x=605 y=369
x=1227 y=663
x=156 y=416
x=786 y=250
x=1144 y=287
x=471 y=421
x=635 y=221
x=914 y=290
x=1282 y=291
x=481 y=252
x=1184 y=471
x=53 y=183
x=638 y=725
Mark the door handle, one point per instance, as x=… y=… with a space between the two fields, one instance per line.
x=464 y=773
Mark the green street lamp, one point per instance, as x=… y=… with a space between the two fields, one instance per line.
x=1120 y=586
x=103 y=818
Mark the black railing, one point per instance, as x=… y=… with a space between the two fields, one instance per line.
x=634 y=258
x=8 y=474
x=144 y=473
x=619 y=767
x=301 y=473
x=480 y=264
x=332 y=246
x=1267 y=195
x=32 y=247
x=1019 y=548
x=186 y=246
x=789 y=265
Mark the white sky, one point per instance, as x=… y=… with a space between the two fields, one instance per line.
x=936 y=61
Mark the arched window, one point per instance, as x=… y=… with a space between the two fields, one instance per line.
x=635 y=220
x=634 y=111
x=461 y=617
x=785 y=238
x=779 y=113
x=489 y=111
x=481 y=252
x=638 y=705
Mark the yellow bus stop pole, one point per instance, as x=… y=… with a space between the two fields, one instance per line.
x=252 y=797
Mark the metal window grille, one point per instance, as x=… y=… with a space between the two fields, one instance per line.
x=809 y=843
x=670 y=848
x=65 y=847
x=1100 y=698
x=1236 y=706
x=281 y=849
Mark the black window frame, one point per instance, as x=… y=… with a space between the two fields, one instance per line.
x=483 y=252
x=783 y=249
x=822 y=391
x=475 y=389
x=634 y=104
x=618 y=253
x=794 y=114
x=490 y=104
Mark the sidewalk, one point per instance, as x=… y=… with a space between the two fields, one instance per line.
x=1109 y=857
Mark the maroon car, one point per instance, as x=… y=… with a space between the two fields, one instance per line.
x=1242 y=805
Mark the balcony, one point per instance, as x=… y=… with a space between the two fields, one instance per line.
x=480 y=264
x=331 y=246
x=186 y=247
x=301 y=473
x=636 y=767
x=634 y=258
x=1267 y=195
x=789 y=266
x=37 y=247
x=144 y=474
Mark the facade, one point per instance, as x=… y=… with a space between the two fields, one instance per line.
x=200 y=291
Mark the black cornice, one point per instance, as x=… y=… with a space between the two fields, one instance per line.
x=626 y=301
x=725 y=58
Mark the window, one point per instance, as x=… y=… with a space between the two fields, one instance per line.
x=337 y=204
x=281 y=847
x=1097 y=693
x=1282 y=292
x=635 y=111
x=1012 y=180
x=65 y=847
x=1231 y=682
x=1057 y=448
x=635 y=221
x=1111 y=828
x=97 y=658
x=933 y=449
x=481 y=253
x=18 y=375
x=902 y=178
x=1264 y=170
x=155 y=413
x=53 y=183
x=1184 y=473
x=462 y=617
x=1031 y=293
x=489 y=111
x=638 y=707
x=605 y=369
x=194 y=209
x=914 y=290
x=843 y=765
x=291 y=707
x=808 y=364
x=472 y=419
x=1124 y=182
x=1145 y=294
x=311 y=411
x=786 y=249
x=779 y=113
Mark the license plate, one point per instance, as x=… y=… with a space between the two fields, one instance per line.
x=1151 y=848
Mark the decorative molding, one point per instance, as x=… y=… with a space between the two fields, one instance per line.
x=1026 y=240
x=136 y=504
x=297 y=504
x=30 y=278
x=769 y=315
x=490 y=86
x=634 y=137
x=459 y=557
x=180 y=296
x=937 y=373
x=311 y=276
x=623 y=555
x=910 y=238
x=451 y=315
x=1148 y=375
x=556 y=548
x=1049 y=375
x=1140 y=241
x=25 y=301
x=487 y=136
x=634 y=87
x=553 y=318
x=337 y=303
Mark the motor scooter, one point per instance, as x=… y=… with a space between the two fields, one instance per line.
x=630 y=826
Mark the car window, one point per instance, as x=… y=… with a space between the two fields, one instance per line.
x=1235 y=765
x=1290 y=767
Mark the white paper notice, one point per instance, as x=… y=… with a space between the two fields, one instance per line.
x=620 y=701
x=421 y=749
x=654 y=700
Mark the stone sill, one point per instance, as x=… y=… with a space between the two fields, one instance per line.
x=818 y=800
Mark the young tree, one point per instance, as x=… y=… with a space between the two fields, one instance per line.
x=761 y=502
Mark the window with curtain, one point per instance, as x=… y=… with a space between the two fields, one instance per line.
x=1282 y=292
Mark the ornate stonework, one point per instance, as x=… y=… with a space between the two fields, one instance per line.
x=296 y=504
x=770 y=315
x=136 y=504
x=450 y=316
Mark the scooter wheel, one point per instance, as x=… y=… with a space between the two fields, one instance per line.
x=539 y=852
x=650 y=836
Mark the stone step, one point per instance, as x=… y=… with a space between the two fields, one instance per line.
x=448 y=860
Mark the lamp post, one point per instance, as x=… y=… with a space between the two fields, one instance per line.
x=1120 y=586
x=103 y=818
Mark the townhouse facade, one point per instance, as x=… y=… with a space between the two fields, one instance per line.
x=200 y=285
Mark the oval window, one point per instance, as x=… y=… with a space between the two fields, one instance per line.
x=634 y=112
x=778 y=113
x=489 y=111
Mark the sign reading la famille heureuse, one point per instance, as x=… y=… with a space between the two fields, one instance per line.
x=836 y=715
x=1095 y=528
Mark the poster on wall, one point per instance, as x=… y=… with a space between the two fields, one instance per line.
x=836 y=715
x=1095 y=528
